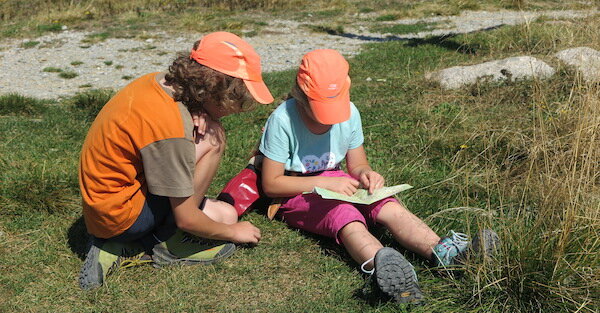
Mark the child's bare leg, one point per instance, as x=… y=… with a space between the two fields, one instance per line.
x=220 y=211
x=209 y=150
x=359 y=242
x=409 y=230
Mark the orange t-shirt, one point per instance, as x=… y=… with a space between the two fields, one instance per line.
x=140 y=142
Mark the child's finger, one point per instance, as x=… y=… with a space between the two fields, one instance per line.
x=364 y=180
x=353 y=189
x=202 y=124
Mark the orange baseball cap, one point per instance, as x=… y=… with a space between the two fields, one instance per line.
x=231 y=55
x=323 y=76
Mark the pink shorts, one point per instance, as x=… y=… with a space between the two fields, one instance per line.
x=326 y=217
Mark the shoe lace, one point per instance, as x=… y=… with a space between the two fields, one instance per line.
x=140 y=259
x=458 y=241
x=362 y=267
x=129 y=258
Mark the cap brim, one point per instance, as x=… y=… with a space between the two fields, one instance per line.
x=259 y=91
x=329 y=111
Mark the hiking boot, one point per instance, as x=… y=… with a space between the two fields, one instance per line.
x=395 y=276
x=187 y=249
x=105 y=257
x=450 y=250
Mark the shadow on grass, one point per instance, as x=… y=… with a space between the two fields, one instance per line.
x=78 y=238
x=444 y=41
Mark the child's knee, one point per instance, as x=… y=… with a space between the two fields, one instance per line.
x=391 y=212
x=220 y=211
x=352 y=228
x=230 y=215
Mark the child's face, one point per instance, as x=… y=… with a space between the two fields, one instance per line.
x=216 y=112
x=305 y=108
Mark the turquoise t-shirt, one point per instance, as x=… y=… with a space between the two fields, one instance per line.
x=287 y=140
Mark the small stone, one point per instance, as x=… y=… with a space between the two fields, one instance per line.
x=64 y=27
x=369 y=79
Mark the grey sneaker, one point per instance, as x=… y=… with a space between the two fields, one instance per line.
x=186 y=249
x=395 y=276
x=104 y=258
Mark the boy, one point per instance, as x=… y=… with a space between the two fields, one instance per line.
x=151 y=154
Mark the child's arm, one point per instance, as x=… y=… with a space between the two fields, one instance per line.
x=190 y=219
x=359 y=168
x=276 y=184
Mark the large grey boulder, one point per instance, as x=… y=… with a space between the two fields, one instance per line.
x=523 y=67
x=585 y=60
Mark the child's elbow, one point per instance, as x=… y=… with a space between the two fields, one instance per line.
x=183 y=225
x=269 y=189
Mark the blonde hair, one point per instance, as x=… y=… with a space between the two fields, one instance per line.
x=299 y=95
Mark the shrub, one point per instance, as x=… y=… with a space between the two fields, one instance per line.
x=92 y=101
x=20 y=105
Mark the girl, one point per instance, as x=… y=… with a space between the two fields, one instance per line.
x=305 y=140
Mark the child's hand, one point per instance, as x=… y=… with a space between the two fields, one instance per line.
x=371 y=180
x=200 y=122
x=245 y=232
x=344 y=185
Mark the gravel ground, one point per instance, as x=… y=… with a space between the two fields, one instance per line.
x=113 y=62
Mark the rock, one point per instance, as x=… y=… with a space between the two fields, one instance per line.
x=515 y=68
x=585 y=60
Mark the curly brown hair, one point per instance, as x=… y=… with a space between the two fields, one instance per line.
x=196 y=84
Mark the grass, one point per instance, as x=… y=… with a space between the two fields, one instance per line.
x=67 y=74
x=30 y=44
x=521 y=157
x=51 y=69
x=328 y=29
x=133 y=18
x=96 y=37
x=15 y=104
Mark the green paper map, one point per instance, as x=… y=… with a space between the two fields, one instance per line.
x=362 y=196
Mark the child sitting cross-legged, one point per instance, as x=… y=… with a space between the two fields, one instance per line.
x=304 y=142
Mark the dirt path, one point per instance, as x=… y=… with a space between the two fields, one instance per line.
x=113 y=62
